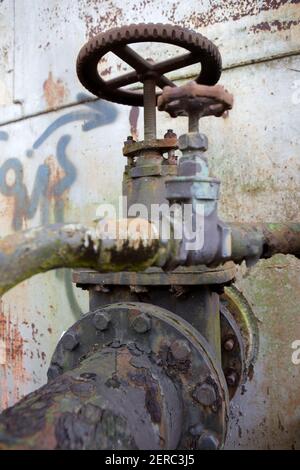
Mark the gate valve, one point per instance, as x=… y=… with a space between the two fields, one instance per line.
x=145 y=159
x=193 y=183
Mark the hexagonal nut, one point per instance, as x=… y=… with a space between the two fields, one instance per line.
x=141 y=323
x=229 y=344
x=70 y=340
x=180 y=350
x=53 y=371
x=205 y=394
x=207 y=441
x=101 y=320
x=193 y=141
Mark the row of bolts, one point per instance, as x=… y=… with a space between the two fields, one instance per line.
x=142 y=324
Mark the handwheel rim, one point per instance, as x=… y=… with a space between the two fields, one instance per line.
x=202 y=50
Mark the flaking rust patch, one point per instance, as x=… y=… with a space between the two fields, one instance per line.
x=11 y=359
x=55 y=92
x=133 y=233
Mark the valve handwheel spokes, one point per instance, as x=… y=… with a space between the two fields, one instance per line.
x=116 y=40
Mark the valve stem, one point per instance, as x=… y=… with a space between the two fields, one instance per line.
x=194 y=117
x=149 y=109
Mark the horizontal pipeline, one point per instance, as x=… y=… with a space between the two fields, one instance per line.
x=41 y=249
x=255 y=241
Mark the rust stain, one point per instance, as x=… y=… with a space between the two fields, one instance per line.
x=7 y=209
x=133 y=121
x=227 y=10
x=106 y=71
x=274 y=26
x=55 y=91
x=98 y=19
x=34 y=332
x=56 y=174
x=11 y=358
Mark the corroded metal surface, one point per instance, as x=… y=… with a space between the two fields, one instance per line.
x=130 y=378
x=113 y=399
x=233 y=351
x=193 y=98
x=266 y=411
x=162 y=145
x=247 y=324
x=264 y=240
x=116 y=40
x=260 y=28
x=255 y=157
x=156 y=276
x=67 y=245
x=173 y=343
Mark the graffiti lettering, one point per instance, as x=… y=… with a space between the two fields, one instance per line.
x=48 y=188
x=93 y=114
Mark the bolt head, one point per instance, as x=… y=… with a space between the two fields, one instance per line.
x=70 y=340
x=169 y=134
x=193 y=141
x=101 y=320
x=141 y=323
x=229 y=344
x=207 y=441
x=53 y=372
x=205 y=394
x=180 y=350
x=196 y=430
x=231 y=378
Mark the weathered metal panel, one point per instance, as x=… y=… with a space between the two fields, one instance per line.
x=60 y=165
x=48 y=168
x=32 y=318
x=9 y=109
x=45 y=52
x=266 y=413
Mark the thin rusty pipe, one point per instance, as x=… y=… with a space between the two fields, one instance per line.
x=149 y=109
x=264 y=240
x=194 y=121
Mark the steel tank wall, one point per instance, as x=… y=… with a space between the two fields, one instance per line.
x=61 y=156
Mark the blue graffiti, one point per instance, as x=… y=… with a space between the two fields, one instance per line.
x=3 y=135
x=93 y=114
x=25 y=206
x=97 y=113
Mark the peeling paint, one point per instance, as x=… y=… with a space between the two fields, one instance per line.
x=133 y=121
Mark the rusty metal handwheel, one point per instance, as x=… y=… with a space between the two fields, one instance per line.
x=116 y=40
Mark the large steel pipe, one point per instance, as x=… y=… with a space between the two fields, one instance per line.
x=115 y=399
